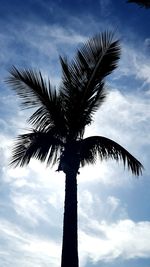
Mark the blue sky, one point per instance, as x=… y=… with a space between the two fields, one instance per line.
x=114 y=206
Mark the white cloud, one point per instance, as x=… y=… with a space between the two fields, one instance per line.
x=147 y=42
x=126 y=239
x=29 y=207
x=94 y=207
x=134 y=62
x=113 y=202
x=27 y=249
x=123 y=117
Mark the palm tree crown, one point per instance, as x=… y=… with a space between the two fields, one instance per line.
x=59 y=122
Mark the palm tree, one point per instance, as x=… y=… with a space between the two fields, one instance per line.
x=141 y=3
x=59 y=121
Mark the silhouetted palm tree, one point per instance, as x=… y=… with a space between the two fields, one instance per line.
x=59 y=122
x=142 y=3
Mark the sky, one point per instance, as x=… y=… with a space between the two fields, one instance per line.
x=113 y=205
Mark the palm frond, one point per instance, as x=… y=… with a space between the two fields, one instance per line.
x=83 y=78
x=141 y=3
x=107 y=148
x=36 y=93
x=99 y=56
x=39 y=145
x=52 y=117
x=30 y=87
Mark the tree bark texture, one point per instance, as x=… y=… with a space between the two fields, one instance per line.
x=70 y=236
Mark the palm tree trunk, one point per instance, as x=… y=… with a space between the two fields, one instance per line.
x=70 y=236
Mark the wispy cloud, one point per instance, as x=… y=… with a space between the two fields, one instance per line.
x=105 y=7
x=134 y=62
